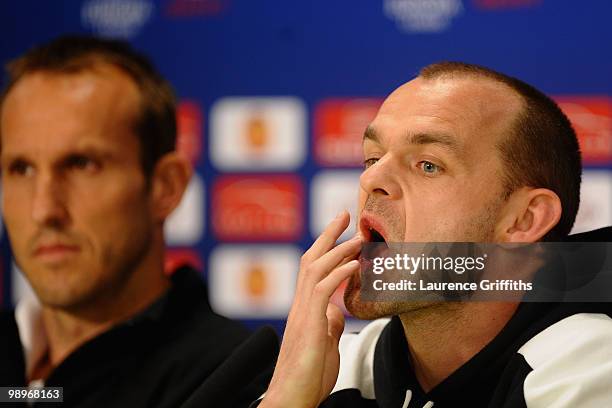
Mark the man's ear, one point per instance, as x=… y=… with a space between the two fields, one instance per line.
x=168 y=183
x=529 y=215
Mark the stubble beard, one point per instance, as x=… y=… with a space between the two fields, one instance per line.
x=90 y=281
x=480 y=228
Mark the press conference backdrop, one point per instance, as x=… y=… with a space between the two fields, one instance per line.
x=274 y=97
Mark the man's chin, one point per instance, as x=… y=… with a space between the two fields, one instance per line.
x=370 y=310
x=362 y=309
x=66 y=298
x=61 y=288
x=366 y=310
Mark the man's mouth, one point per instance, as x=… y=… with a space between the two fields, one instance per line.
x=375 y=240
x=372 y=229
x=374 y=233
x=55 y=252
x=376 y=236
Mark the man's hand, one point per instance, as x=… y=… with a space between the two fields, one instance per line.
x=308 y=361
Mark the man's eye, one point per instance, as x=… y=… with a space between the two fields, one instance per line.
x=429 y=168
x=369 y=162
x=20 y=168
x=82 y=163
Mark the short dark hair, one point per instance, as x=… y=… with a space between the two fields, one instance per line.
x=542 y=148
x=156 y=124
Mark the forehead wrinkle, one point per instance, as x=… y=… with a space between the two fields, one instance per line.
x=442 y=139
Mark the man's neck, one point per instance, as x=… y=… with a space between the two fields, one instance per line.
x=66 y=332
x=69 y=328
x=443 y=337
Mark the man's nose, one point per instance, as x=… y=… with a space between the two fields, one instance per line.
x=48 y=205
x=381 y=179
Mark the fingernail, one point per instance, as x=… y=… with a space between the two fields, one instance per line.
x=353 y=263
x=340 y=214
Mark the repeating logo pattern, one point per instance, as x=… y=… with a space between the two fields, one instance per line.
x=274 y=168
x=338 y=126
x=591 y=117
x=258 y=134
x=332 y=191
x=253 y=280
x=257 y=208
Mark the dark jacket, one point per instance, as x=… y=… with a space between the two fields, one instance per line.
x=548 y=355
x=156 y=359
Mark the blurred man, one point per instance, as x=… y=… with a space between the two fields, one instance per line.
x=89 y=175
x=459 y=154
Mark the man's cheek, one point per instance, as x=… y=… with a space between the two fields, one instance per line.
x=363 y=196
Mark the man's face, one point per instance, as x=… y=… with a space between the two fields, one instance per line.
x=75 y=201
x=432 y=171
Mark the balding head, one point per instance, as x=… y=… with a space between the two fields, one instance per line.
x=541 y=148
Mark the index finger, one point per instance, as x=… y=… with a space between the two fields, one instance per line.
x=326 y=241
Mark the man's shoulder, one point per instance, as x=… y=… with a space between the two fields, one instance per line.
x=570 y=360
x=189 y=311
x=578 y=335
x=197 y=338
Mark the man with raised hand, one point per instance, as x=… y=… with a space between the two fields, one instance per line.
x=89 y=175
x=459 y=154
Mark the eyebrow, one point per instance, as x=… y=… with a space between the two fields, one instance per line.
x=444 y=140
x=370 y=134
x=441 y=139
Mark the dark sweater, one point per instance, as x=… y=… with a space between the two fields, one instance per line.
x=156 y=359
